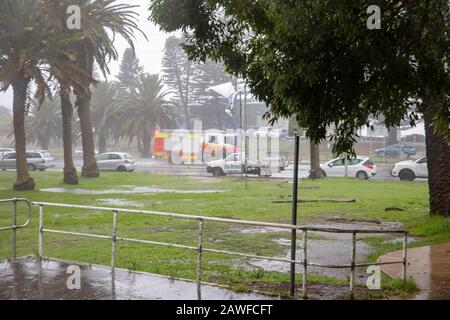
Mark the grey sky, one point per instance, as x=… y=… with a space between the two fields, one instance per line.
x=149 y=53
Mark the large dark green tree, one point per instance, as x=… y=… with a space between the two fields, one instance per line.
x=318 y=61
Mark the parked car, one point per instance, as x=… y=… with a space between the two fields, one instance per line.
x=79 y=153
x=411 y=169
x=36 y=160
x=360 y=167
x=116 y=161
x=4 y=151
x=397 y=150
x=233 y=164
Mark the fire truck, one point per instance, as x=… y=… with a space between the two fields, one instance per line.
x=190 y=147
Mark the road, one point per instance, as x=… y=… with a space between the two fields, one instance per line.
x=162 y=167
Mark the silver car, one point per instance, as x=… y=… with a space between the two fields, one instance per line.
x=4 y=151
x=116 y=161
x=36 y=160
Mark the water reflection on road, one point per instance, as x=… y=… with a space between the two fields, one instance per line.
x=429 y=266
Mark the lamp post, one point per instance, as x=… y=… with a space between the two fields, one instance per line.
x=294 y=130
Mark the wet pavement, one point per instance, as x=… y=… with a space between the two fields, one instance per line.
x=161 y=167
x=29 y=279
x=429 y=267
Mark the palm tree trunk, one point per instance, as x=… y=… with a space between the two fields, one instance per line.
x=24 y=182
x=438 y=161
x=101 y=142
x=90 y=168
x=315 y=172
x=146 y=141
x=70 y=172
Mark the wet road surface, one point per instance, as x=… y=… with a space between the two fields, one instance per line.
x=27 y=278
x=429 y=266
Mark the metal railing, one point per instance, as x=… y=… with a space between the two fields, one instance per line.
x=14 y=226
x=201 y=249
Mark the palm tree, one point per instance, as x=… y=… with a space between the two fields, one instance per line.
x=102 y=21
x=72 y=77
x=104 y=111
x=27 y=44
x=145 y=110
x=43 y=123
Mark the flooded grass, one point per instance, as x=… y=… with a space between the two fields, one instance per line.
x=238 y=202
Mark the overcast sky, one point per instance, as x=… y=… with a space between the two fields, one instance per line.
x=149 y=53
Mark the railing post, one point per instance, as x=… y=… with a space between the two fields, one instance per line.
x=352 y=267
x=14 y=229
x=405 y=262
x=305 y=264
x=41 y=232
x=199 y=259
x=114 y=239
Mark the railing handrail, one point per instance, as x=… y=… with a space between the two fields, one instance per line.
x=14 y=201
x=223 y=220
x=199 y=248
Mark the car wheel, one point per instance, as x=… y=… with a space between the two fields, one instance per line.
x=324 y=174
x=31 y=167
x=217 y=172
x=121 y=169
x=362 y=175
x=406 y=175
x=41 y=170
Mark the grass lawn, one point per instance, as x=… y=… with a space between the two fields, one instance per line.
x=254 y=203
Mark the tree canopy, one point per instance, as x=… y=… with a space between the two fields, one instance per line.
x=318 y=61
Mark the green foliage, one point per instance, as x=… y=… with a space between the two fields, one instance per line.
x=130 y=69
x=317 y=61
x=145 y=109
x=43 y=123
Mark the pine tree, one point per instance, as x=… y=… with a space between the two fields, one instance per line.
x=130 y=70
x=177 y=75
x=211 y=106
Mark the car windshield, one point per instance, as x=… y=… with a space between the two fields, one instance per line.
x=46 y=154
x=129 y=157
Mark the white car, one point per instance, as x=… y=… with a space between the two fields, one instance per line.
x=233 y=165
x=36 y=160
x=4 y=151
x=359 y=167
x=116 y=161
x=411 y=169
x=79 y=153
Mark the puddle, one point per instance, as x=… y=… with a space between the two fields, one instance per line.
x=133 y=190
x=27 y=278
x=326 y=248
x=121 y=203
x=255 y=230
x=336 y=249
x=429 y=266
